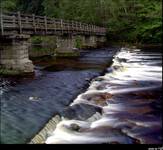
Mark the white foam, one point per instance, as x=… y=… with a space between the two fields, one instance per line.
x=119 y=81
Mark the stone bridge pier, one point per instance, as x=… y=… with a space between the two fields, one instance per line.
x=14 y=54
x=65 y=43
x=101 y=40
x=16 y=29
x=69 y=43
x=91 y=41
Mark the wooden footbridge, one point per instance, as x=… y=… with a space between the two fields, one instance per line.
x=16 y=29
x=17 y=23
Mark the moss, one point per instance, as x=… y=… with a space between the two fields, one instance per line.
x=42 y=46
x=9 y=72
x=36 y=40
x=78 y=43
x=38 y=48
x=44 y=40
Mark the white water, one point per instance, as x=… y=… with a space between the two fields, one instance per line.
x=123 y=117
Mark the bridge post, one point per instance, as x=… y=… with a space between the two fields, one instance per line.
x=14 y=55
x=1 y=21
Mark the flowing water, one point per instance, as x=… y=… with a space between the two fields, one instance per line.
x=130 y=97
x=27 y=103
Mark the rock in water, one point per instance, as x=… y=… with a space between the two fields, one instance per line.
x=80 y=111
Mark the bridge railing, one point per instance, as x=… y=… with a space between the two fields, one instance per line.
x=30 y=24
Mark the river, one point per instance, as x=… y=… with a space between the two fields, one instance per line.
x=129 y=95
x=126 y=88
x=28 y=102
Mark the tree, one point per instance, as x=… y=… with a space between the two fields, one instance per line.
x=129 y=20
x=8 y=5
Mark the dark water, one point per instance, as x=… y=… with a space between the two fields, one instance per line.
x=27 y=103
x=131 y=100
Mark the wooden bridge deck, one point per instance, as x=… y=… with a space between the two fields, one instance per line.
x=17 y=23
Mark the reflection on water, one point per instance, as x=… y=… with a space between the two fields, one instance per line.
x=130 y=97
x=27 y=103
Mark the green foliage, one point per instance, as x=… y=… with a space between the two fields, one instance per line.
x=25 y=6
x=44 y=40
x=9 y=5
x=4 y=71
x=149 y=27
x=51 y=8
x=126 y=20
x=78 y=43
x=36 y=40
x=30 y=6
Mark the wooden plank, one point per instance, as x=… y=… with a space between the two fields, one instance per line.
x=61 y=25
x=22 y=21
x=9 y=25
x=34 y=22
x=26 y=20
x=76 y=27
x=54 y=25
x=5 y=17
x=2 y=30
x=45 y=20
x=14 y=21
x=8 y=21
x=19 y=22
x=80 y=26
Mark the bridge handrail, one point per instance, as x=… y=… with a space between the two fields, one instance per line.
x=20 y=22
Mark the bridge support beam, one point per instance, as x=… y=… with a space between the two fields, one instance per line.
x=14 y=54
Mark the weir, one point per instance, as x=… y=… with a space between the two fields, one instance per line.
x=16 y=29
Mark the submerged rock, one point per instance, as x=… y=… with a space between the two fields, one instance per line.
x=80 y=111
x=75 y=127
